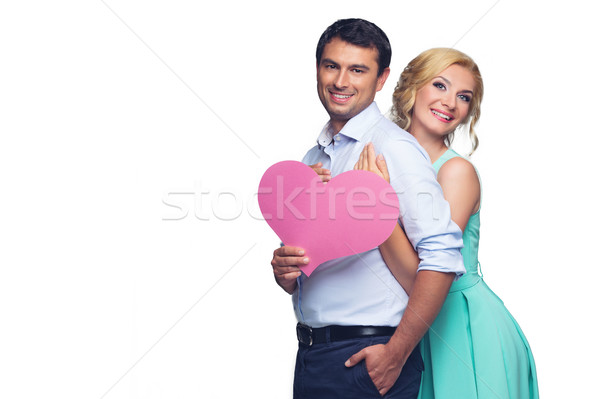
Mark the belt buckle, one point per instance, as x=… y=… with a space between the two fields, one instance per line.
x=304 y=334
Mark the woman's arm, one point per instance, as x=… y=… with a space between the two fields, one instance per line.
x=401 y=258
x=397 y=251
x=461 y=188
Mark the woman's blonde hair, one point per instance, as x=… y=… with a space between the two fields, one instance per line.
x=423 y=69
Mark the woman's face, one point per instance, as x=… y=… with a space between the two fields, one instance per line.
x=443 y=103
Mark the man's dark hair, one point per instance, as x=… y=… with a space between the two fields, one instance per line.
x=361 y=33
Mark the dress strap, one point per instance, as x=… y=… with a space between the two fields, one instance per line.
x=449 y=154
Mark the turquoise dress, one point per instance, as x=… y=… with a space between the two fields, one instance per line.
x=475 y=348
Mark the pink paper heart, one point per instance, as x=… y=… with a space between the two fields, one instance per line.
x=354 y=212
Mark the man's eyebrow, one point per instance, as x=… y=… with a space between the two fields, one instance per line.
x=329 y=61
x=359 y=66
x=353 y=66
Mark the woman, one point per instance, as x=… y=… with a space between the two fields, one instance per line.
x=474 y=349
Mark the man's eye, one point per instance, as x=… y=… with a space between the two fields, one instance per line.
x=357 y=70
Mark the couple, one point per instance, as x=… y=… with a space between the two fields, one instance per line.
x=358 y=327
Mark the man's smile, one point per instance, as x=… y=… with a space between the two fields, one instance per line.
x=340 y=98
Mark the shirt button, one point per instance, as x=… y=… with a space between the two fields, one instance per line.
x=337 y=138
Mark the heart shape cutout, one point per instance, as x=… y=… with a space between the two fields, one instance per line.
x=354 y=212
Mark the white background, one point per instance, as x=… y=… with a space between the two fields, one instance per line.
x=108 y=109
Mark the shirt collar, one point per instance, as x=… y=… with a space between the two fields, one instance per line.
x=355 y=128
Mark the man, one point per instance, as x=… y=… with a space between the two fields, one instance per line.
x=357 y=328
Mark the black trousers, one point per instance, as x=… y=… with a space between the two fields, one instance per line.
x=321 y=373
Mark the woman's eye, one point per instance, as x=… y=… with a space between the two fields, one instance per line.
x=465 y=98
x=439 y=85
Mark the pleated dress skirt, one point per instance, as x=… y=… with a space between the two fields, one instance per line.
x=476 y=349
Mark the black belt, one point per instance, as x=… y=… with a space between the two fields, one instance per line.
x=310 y=336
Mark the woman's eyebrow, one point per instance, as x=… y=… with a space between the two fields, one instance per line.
x=445 y=80
x=450 y=84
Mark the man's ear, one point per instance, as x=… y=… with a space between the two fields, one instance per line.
x=382 y=78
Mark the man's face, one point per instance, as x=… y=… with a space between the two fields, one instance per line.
x=347 y=80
